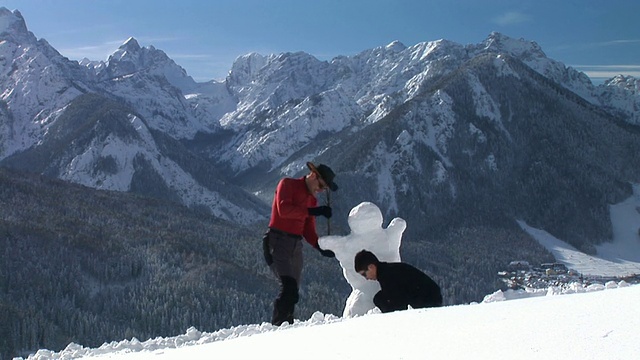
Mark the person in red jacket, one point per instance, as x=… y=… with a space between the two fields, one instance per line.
x=293 y=215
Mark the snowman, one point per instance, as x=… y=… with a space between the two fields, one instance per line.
x=365 y=221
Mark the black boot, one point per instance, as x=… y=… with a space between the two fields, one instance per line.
x=284 y=304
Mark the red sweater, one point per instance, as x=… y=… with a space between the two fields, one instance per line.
x=289 y=212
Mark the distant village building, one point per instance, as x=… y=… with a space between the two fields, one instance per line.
x=519 y=265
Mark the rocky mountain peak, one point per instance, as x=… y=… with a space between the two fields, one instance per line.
x=13 y=26
x=131 y=58
x=245 y=67
x=396 y=46
x=629 y=83
x=129 y=51
x=10 y=21
x=521 y=48
x=131 y=45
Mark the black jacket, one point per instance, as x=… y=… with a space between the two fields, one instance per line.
x=403 y=285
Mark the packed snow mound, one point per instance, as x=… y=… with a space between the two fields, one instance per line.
x=191 y=337
x=573 y=288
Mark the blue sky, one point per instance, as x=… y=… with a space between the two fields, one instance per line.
x=601 y=38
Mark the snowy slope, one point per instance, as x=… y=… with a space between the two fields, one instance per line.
x=617 y=258
x=587 y=325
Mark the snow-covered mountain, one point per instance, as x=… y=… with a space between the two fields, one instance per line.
x=272 y=112
x=288 y=100
x=621 y=95
x=112 y=125
x=460 y=140
x=36 y=81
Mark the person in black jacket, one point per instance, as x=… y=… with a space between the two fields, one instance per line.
x=402 y=284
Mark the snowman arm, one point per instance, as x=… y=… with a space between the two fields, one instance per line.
x=329 y=242
x=395 y=230
x=397 y=225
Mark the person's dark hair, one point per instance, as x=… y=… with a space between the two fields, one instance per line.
x=363 y=259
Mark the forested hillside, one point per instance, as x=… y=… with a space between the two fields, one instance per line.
x=86 y=266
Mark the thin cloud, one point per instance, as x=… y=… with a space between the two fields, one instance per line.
x=158 y=39
x=602 y=72
x=92 y=52
x=610 y=67
x=619 y=42
x=191 y=56
x=595 y=45
x=512 y=18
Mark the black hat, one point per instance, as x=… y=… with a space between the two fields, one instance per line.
x=325 y=173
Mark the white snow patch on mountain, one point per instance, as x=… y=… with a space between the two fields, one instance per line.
x=80 y=169
x=625 y=220
x=485 y=106
x=617 y=258
x=440 y=173
x=502 y=69
x=386 y=186
x=479 y=134
x=439 y=121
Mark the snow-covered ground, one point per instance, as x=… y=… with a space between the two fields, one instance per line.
x=617 y=258
x=599 y=321
x=588 y=325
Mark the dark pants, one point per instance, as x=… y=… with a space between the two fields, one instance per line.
x=387 y=302
x=283 y=254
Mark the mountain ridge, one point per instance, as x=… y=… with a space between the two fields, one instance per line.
x=273 y=113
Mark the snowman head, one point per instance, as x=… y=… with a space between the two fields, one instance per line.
x=365 y=217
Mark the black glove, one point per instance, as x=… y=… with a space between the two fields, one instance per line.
x=326 y=253
x=320 y=210
x=266 y=250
